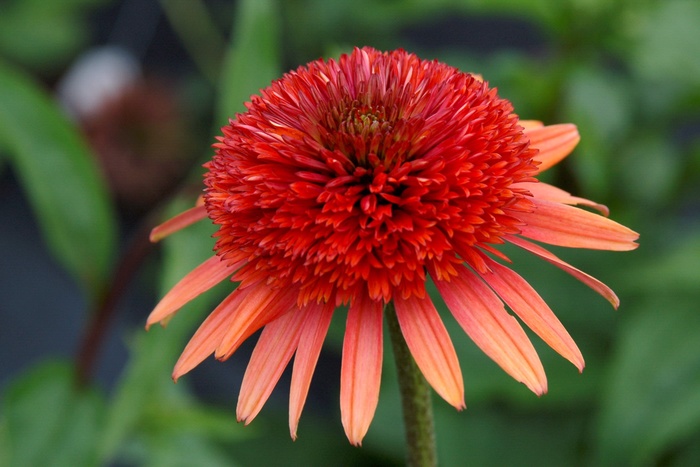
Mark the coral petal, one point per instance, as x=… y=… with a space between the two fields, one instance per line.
x=557 y=195
x=199 y=280
x=179 y=222
x=590 y=281
x=554 y=142
x=361 y=367
x=431 y=347
x=530 y=124
x=563 y=225
x=260 y=306
x=482 y=316
x=272 y=353
x=313 y=333
x=209 y=335
x=529 y=306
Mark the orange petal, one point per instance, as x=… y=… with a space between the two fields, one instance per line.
x=590 y=281
x=210 y=332
x=272 y=353
x=313 y=333
x=260 y=306
x=179 y=222
x=559 y=224
x=557 y=195
x=554 y=142
x=529 y=306
x=482 y=316
x=431 y=347
x=361 y=367
x=199 y=280
x=530 y=124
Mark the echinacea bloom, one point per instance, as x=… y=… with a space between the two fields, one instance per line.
x=350 y=182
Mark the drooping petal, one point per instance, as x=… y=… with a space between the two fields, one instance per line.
x=431 y=347
x=557 y=195
x=199 y=280
x=562 y=225
x=260 y=306
x=554 y=142
x=361 y=367
x=482 y=316
x=272 y=353
x=313 y=333
x=532 y=309
x=590 y=281
x=179 y=222
x=210 y=332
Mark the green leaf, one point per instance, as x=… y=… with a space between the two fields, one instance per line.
x=652 y=404
x=152 y=421
x=180 y=415
x=60 y=177
x=253 y=58
x=182 y=432
x=51 y=422
x=184 y=450
x=146 y=380
x=321 y=442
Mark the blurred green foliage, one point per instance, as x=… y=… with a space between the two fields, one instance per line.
x=44 y=35
x=62 y=180
x=626 y=72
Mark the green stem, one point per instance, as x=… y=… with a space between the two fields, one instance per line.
x=415 y=399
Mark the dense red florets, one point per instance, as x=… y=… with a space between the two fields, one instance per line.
x=360 y=175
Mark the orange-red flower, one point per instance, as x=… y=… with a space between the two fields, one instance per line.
x=352 y=181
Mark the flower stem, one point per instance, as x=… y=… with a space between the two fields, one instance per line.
x=106 y=305
x=415 y=399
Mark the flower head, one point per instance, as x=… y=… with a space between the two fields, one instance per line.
x=352 y=181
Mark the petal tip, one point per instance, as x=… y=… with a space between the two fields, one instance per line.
x=149 y=323
x=179 y=371
x=178 y=222
x=355 y=432
x=457 y=402
x=357 y=442
x=538 y=385
x=155 y=236
x=243 y=417
x=293 y=432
